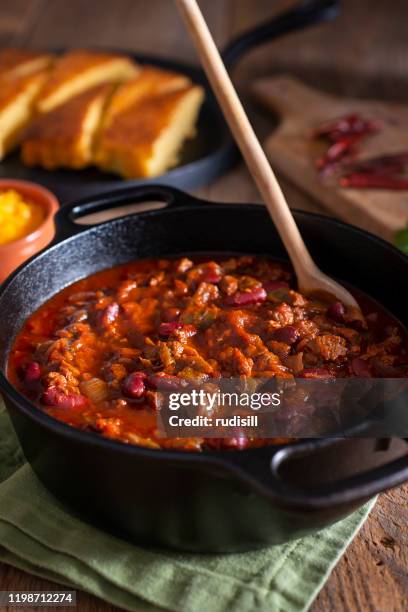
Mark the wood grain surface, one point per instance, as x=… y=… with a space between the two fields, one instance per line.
x=291 y=150
x=363 y=53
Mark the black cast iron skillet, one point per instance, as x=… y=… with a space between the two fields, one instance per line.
x=212 y=151
x=209 y=501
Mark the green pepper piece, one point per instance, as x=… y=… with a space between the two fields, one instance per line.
x=401 y=240
x=279 y=295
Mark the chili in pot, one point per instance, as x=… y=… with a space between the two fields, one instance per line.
x=94 y=354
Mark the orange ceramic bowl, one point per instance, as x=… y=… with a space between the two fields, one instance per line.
x=14 y=253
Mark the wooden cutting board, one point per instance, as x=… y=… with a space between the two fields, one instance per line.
x=293 y=152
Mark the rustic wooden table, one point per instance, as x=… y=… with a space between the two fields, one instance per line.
x=362 y=53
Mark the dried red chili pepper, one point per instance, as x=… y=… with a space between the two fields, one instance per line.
x=338 y=151
x=346 y=126
x=366 y=180
x=345 y=134
x=392 y=164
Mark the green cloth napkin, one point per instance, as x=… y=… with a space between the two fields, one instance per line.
x=38 y=535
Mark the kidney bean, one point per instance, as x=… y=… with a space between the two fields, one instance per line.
x=31 y=372
x=357 y=324
x=237 y=442
x=213 y=443
x=56 y=397
x=288 y=334
x=170 y=314
x=134 y=385
x=211 y=276
x=316 y=373
x=165 y=382
x=166 y=329
x=336 y=311
x=361 y=367
x=245 y=298
x=275 y=285
x=349 y=124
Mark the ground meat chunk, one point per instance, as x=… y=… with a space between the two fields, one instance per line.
x=111 y=427
x=283 y=314
x=234 y=360
x=183 y=265
x=297 y=299
x=328 y=347
x=206 y=292
x=229 y=284
x=307 y=329
x=294 y=363
x=281 y=349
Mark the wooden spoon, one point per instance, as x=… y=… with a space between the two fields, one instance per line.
x=311 y=280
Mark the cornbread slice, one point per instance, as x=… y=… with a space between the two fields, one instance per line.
x=145 y=139
x=17 y=98
x=15 y=63
x=149 y=81
x=64 y=137
x=77 y=71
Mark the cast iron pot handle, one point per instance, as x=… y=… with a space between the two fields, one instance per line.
x=67 y=214
x=306 y=13
x=263 y=475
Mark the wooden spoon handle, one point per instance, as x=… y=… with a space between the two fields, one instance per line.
x=247 y=141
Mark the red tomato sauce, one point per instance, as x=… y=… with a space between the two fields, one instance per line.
x=94 y=354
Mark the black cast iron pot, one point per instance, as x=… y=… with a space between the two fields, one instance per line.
x=209 y=501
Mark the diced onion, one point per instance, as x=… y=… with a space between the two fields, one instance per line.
x=95 y=389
